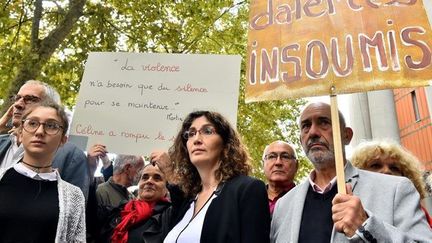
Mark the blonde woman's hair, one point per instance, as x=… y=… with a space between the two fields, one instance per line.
x=408 y=163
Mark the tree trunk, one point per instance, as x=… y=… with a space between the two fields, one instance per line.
x=31 y=65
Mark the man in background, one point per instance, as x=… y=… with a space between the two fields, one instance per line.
x=280 y=168
x=114 y=192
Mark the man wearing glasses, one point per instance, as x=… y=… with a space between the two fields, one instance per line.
x=70 y=161
x=29 y=95
x=280 y=167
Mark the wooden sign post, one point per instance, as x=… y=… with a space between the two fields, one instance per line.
x=337 y=143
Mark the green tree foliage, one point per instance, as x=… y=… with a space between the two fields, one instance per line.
x=33 y=35
x=264 y=122
x=179 y=26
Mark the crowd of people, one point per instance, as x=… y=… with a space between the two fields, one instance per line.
x=200 y=189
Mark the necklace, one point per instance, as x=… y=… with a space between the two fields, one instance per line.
x=194 y=214
x=36 y=168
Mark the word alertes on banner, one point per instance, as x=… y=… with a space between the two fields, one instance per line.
x=300 y=48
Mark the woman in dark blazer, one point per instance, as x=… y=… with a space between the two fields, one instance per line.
x=222 y=203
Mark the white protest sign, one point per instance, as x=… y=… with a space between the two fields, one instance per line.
x=135 y=102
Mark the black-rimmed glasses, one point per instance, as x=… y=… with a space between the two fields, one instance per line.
x=50 y=127
x=283 y=156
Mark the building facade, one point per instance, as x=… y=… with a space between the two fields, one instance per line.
x=402 y=115
x=414 y=120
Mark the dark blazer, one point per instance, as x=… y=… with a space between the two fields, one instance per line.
x=69 y=160
x=5 y=143
x=238 y=214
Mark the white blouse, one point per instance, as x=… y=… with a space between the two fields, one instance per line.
x=23 y=170
x=188 y=230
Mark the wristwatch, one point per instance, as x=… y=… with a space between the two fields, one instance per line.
x=367 y=235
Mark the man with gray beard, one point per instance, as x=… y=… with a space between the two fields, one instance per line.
x=114 y=192
x=376 y=208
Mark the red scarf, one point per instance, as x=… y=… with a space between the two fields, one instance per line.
x=428 y=217
x=133 y=213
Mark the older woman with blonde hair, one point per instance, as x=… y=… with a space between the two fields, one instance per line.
x=222 y=203
x=390 y=158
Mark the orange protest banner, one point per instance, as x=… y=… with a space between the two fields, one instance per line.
x=300 y=48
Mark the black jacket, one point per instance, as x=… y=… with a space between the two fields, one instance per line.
x=238 y=214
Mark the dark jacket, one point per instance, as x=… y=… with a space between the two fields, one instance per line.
x=152 y=230
x=111 y=194
x=238 y=214
x=5 y=143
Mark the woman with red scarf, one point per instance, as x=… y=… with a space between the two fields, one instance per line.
x=141 y=220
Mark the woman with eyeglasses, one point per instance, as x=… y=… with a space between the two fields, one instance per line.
x=36 y=204
x=222 y=203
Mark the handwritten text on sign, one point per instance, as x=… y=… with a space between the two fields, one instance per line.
x=301 y=48
x=134 y=103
